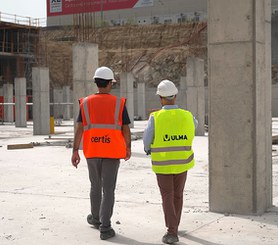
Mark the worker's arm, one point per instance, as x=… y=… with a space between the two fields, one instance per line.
x=127 y=137
x=148 y=135
x=75 y=158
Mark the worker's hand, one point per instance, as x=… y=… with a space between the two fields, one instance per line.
x=148 y=152
x=128 y=154
x=75 y=158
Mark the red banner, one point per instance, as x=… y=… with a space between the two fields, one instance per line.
x=64 y=7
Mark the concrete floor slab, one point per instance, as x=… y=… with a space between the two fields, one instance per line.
x=44 y=200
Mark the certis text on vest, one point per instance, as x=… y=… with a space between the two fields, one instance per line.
x=167 y=137
x=104 y=139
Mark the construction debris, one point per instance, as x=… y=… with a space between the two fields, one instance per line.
x=50 y=137
x=55 y=143
x=20 y=146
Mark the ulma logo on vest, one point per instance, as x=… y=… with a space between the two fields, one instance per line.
x=103 y=139
x=167 y=137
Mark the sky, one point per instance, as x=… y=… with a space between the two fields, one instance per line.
x=28 y=8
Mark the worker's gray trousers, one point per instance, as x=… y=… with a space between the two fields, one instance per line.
x=103 y=176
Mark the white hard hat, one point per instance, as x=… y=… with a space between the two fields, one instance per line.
x=104 y=73
x=166 y=88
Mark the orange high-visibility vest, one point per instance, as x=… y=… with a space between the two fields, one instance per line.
x=102 y=122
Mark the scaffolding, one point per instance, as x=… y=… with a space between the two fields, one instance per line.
x=18 y=50
x=22 y=20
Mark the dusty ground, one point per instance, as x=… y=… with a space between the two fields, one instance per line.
x=44 y=200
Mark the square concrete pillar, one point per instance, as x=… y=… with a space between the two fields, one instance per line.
x=182 y=94
x=58 y=99
x=268 y=104
x=8 y=98
x=85 y=62
x=20 y=102
x=41 y=107
x=126 y=91
x=240 y=173
x=66 y=99
x=195 y=92
x=141 y=98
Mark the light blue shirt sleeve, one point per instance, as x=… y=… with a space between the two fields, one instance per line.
x=148 y=135
x=196 y=123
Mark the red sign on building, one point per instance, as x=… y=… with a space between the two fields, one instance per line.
x=66 y=7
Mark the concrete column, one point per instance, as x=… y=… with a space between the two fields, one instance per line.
x=20 y=102
x=141 y=98
x=8 y=77
x=8 y=98
x=85 y=62
x=20 y=68
x=41 y=107
x=268 y=103
x=126 y=91
x=239 y=106
x=58 y=98
x=195 y=92
x=182 y=93
x=66 y=99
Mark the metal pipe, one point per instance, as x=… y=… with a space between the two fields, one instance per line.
x=61 y=103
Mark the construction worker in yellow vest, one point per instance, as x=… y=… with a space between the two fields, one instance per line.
x=168 y=138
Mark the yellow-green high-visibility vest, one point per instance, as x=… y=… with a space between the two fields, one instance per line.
x=171 y=151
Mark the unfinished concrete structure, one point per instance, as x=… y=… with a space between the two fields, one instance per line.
x=41 y=101
x=240 y=160
x=85 y=62
x=195 y=92
x=57 y=103
x=8 y=99
x=20 y=102
x=141 y=101
x=67 y=99
x=126 y=91
x=182 y=93
x=18 y=53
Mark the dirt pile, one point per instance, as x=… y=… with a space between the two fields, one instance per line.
x=151 y=53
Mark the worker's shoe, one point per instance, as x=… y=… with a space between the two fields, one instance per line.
x=104 y=235
x=92 y=221
x=170 y=238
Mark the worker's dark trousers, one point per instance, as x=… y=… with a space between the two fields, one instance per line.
x=171 y=188
x=103 y=176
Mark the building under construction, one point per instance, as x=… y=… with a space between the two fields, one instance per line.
x=18 y=50
x=19 y=40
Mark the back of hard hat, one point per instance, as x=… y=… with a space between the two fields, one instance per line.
x=105 y=73
x=166 y=88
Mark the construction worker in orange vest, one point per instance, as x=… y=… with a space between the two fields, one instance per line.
x=103 y=122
